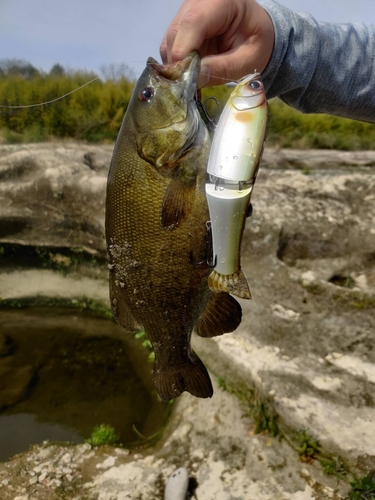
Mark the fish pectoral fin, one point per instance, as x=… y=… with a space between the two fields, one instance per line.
x=178 y=202
x=236 y=284
x=191 y=376
x=222 y=315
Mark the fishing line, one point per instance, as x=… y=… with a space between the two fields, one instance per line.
x=52 y=100
x=26 y=106
x=227 y=80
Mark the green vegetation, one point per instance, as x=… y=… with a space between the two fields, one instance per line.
x=83 y=304
x=260 y=409
x=333 y=466
x=103 y=434
x=264 y=416
x=288 y=128
x=308 y=448
x=221 y=383
x=362 y=489
x=94 y=113
x=146 y=344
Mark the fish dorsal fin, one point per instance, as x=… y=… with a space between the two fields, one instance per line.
x=177 y=203
x=222 y=315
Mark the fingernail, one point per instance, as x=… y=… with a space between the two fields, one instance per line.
x=204 y=76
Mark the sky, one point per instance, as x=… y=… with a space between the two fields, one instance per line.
x=87 y=34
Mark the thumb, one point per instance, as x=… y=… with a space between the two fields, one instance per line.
x=230 y=66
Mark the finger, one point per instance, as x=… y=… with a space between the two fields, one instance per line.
x=203 y=21
x=172 y=30
x=230 y=66
x=167 y=43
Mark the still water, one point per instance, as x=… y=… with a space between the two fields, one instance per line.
x=83 y=371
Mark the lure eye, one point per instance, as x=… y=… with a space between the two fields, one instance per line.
x=146 y=94
x=254 y=85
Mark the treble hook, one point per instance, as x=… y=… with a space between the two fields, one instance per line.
x=208 y=258
x=202 y=105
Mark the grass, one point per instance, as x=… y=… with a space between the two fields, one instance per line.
x=333 y=466
x=309 y=447
x=103 y=434
x=362 y=489
x=265 y=417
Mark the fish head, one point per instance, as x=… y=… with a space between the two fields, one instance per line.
x=164 y=110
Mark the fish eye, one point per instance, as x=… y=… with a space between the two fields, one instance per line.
x=146 y=94
x=255 y=85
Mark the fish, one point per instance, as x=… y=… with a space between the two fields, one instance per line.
x=157 y=234
x=233 y=165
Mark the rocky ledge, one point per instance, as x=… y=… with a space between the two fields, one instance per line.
x=300 y=368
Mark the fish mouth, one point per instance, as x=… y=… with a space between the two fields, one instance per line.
x=180 y=71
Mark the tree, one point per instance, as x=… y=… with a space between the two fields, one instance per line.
x=57 y=70
x=13 y=67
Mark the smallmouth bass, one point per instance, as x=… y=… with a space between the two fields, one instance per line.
x=156 y=214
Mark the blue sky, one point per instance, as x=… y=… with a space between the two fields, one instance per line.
x=87 y=34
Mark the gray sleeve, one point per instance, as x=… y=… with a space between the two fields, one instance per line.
x=321 y=67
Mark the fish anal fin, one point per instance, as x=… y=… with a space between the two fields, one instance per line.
x=222 y=315
x=191 y=376
x=178 y=202
x=235 y=284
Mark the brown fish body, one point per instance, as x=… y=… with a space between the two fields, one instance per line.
x=156 y=228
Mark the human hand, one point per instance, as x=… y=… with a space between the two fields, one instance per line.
x=233 y=37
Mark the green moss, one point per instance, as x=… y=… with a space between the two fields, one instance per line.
x=221 y=383
x=103 y=435
x=365 y=302
x=141 y=335
x=62 y=259
x=83 y=304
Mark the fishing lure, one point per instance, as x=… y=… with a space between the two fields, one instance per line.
x=232 y=167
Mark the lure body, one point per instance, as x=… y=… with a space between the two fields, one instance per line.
x=232 y=167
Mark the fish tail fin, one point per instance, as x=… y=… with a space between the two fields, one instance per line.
x=235 y=284
x=191 y=376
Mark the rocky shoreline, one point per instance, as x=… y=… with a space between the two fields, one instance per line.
x=301 y=362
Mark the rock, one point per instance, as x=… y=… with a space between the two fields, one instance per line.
x=66 y=459
x=304 y=350
x=316 y=159
x=108 y=462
